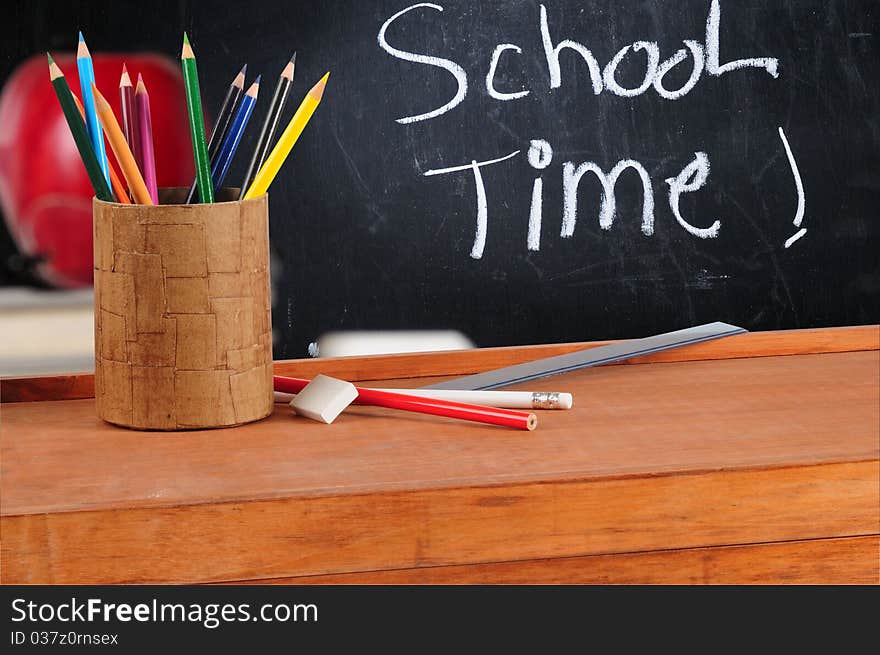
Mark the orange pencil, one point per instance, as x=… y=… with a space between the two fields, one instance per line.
x=120 y=148
x=118 y=188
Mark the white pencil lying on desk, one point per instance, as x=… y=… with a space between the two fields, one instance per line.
x=503 y=399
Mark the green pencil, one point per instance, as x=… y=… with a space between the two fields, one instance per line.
x=78 y=130
x=196 y=122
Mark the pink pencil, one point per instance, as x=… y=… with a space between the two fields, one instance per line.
x=145 y=126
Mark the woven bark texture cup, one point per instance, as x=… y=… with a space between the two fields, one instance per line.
x=183 y=329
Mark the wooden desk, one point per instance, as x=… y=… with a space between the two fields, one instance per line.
x=750 y=459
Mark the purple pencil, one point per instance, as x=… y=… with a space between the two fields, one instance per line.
x=145 y=126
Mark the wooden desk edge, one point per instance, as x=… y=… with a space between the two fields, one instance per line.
x=289 y=537
x=465 y=362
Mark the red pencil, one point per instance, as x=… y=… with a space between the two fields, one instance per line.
x=130 y=117
x=494 y=416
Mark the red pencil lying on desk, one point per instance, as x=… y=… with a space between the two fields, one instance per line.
x=494 y=416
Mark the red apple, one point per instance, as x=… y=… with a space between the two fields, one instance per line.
x=45 y=193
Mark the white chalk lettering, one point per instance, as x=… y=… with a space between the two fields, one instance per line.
x=457 y=71
x=668 y=64
x=571 y=178
x=493 y=66
x=552 y=54
x=692 y=177
x=482 y=204
x=799 y=188
x=653 y=53
x=540 y=155
x=713 y=25
x=614 y=78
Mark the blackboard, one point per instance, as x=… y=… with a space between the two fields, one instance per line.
x=773 y=162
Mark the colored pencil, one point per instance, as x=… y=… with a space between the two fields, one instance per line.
x=220 y=165
x=86 y=79
x=129 y=117
x=78 y=129
x=221 y=126
x=144 y=138
x=196 y=121
x=494 y=416
x=119 y=191
x=270 y=124
x=506 y=399
x=120 y=148
x=291 y=133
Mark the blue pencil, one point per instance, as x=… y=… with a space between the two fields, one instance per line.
x=233 y=136
x=93 y=126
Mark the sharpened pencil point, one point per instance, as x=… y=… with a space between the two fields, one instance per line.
x=288 y=69
x=82 y=50
x=124 y=79
x=51 y=61
x=238 y=82
x=141 y=87
x=186 y=51
x=317 y=91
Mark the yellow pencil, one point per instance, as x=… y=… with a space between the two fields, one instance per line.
x=117 y=141
x=291 y=133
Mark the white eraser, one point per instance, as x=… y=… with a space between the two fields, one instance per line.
x=324 y=398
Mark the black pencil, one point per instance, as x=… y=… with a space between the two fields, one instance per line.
x=270 y=124
x=221 y=126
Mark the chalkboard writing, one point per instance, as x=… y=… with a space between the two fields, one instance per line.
x=553 y=171
x=532 y=171
x=691 y=178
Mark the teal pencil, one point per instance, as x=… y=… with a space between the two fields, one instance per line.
x=93 y=126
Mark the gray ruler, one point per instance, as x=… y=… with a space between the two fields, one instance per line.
x=502 y=377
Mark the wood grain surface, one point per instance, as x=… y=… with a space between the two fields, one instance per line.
x=847 y=560
x=660 y=457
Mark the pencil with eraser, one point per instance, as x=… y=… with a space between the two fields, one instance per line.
x=504 y=399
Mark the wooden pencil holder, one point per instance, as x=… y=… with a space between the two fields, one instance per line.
x=183 y=329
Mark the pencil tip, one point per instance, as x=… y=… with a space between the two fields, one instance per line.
x=317 y=91
x=186 y=39
x=141 y=87
x=124 y=69
x=51 y=61
x=257 y=80
x=288 y=69
x=244 y=70
x=81 y=36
